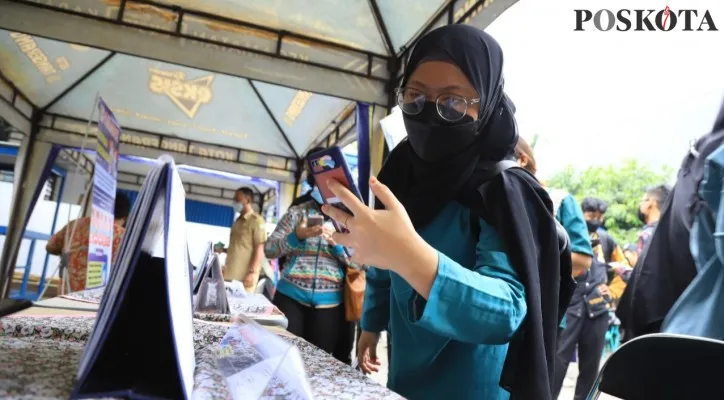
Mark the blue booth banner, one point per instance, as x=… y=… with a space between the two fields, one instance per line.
x=100 y=247
x=363 y=151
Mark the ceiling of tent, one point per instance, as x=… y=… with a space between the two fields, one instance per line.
x=243 y=86
x=205 y=185
x=200 y=184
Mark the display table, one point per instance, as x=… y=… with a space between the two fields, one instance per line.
x=255 y=306
x=40 y=349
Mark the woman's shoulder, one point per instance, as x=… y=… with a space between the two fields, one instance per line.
x=303 y=208
x=466 y=216
x=82 y=223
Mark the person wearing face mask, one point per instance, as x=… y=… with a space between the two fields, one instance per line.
x=311 y=286
x=245 y=254
x=606 y=251
x=650 y=212
x=467 y=271
x=343 y=350
x=588 y=315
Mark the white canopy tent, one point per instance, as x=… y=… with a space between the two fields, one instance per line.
x=240 y=86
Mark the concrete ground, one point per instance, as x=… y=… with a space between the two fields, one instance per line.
x=566 y=393
x=569 y=384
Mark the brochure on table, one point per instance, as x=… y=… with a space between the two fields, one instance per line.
x=142 y=343
x=256 y=363
x=100 y=246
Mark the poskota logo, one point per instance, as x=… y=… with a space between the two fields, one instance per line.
x=665 y=19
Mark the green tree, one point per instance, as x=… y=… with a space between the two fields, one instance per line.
x=621 y=186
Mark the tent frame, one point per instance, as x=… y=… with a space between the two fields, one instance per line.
x=124 y=37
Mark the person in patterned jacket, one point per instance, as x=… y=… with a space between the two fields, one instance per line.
x=311 y=286
x=73 y=240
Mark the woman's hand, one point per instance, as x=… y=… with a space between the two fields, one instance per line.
x=367 y=352
x=386 y=238
x=328 y=235
x=383 y=238
x=303 y=232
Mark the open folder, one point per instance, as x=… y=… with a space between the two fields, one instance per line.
x=142 y=344
x=203 y=268
x=209 y=289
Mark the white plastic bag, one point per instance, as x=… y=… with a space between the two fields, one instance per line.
x=257 y=363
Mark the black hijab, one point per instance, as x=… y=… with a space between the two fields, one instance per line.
x=512 y=202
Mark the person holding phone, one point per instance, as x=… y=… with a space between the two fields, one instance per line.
x=311 y=286
x=467 y=269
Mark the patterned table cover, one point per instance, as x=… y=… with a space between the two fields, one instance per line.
x=88 y=296
x=255 y=306
x=40 y=357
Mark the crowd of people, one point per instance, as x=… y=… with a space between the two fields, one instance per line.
x=486 y=281
x=469 y=272
x=601 y=268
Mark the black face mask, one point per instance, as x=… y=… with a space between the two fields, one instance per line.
x=433 y=139
x=642 y=217
x=593 y=225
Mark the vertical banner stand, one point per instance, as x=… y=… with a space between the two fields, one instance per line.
x=63 y=266
x=100 y=244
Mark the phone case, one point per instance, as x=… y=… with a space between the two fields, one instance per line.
x=331 y=164
x=315 y=220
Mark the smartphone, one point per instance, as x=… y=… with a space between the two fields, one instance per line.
x=330 y=164
x=315 y=220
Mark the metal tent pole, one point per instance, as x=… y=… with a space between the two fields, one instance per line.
x=32 y=165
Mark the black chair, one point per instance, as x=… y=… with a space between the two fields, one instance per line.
x=663 y=366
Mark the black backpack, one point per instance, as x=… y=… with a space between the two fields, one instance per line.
x=666 y=267
x=564 y=242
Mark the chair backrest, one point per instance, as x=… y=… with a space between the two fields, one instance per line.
x=662 y=366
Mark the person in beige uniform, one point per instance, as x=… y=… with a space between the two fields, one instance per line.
x=246 y=242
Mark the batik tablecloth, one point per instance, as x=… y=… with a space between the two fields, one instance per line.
x=40 y=357
x=254 y=306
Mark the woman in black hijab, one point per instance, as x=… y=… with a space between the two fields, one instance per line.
x=468 y=270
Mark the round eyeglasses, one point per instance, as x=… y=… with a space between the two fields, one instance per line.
x=450 y=107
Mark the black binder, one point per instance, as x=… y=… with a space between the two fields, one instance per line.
x=142 y=344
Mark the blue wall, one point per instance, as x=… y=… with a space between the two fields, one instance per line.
x=199 y=212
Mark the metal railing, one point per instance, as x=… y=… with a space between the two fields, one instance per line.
x=23 y=293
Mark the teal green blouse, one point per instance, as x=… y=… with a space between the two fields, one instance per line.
x=454 y=344
x=571 y=217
